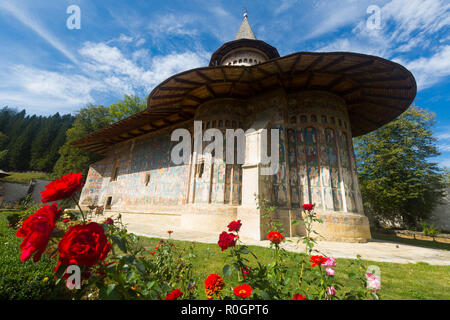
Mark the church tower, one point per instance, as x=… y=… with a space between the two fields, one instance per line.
x=244 y=50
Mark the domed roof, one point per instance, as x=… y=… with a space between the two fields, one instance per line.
x=245 y=38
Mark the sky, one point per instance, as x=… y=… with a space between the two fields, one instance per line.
x=130 y=46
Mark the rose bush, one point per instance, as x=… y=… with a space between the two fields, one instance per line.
x=114 y=265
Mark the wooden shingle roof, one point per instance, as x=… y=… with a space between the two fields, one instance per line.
x=376 y=91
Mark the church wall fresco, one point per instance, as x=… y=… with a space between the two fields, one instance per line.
x=146 y=176
x=322 y=165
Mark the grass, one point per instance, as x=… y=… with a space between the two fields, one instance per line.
x=25 y=177
x=413 y=242
x=399 y=281
x=23 y=281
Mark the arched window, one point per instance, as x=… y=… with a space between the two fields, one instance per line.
x=313 y=118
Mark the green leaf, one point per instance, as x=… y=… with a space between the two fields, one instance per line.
x=120 y=242
x=110 y=292
x=227 y=270
x=264 y=295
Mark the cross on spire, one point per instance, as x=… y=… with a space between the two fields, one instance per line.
x=245 y=31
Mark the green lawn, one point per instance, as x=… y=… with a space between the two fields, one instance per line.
x=399 y=281
x=25 y=177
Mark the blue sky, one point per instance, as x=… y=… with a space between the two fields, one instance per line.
x=128 y=47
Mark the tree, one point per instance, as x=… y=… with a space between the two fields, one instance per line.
x=126 y=107
x=72 y=159
x=31 y=143
x=398 y=183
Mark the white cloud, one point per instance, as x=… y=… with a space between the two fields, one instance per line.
x=103 y=70
x=430 y=70
x=45 y=92
x=171 y=24
x=444 y=147
x=21 y=14
x=417 y=17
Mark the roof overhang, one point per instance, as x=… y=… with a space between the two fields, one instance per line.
x=376 y=91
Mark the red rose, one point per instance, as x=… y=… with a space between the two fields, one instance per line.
x=174 y=295
x=298 y=296
x=83 y=245
x=169 y=231
x=243 y=291
x=36 y=231
x=308 y=207
x=235 y=226
x=108 y=221
x=62 y=188
x=317 y=260
x=226 y=240
x=275 y=237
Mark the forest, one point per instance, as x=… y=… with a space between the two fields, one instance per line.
x=30 y=142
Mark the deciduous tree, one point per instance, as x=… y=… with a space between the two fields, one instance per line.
x=399 y=183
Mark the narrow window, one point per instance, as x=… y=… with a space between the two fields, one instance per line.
x=313 y=118
x=303 y=119
x=108 y=203
x=201 y=168
x=324 y=119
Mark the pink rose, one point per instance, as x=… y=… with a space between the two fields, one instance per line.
x=330 y=263
x=331 y=291
x=373 y=282
x=330 y=271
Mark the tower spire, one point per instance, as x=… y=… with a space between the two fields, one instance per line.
x=245 y=31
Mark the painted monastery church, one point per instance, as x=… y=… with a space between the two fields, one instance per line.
x=317 y=101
